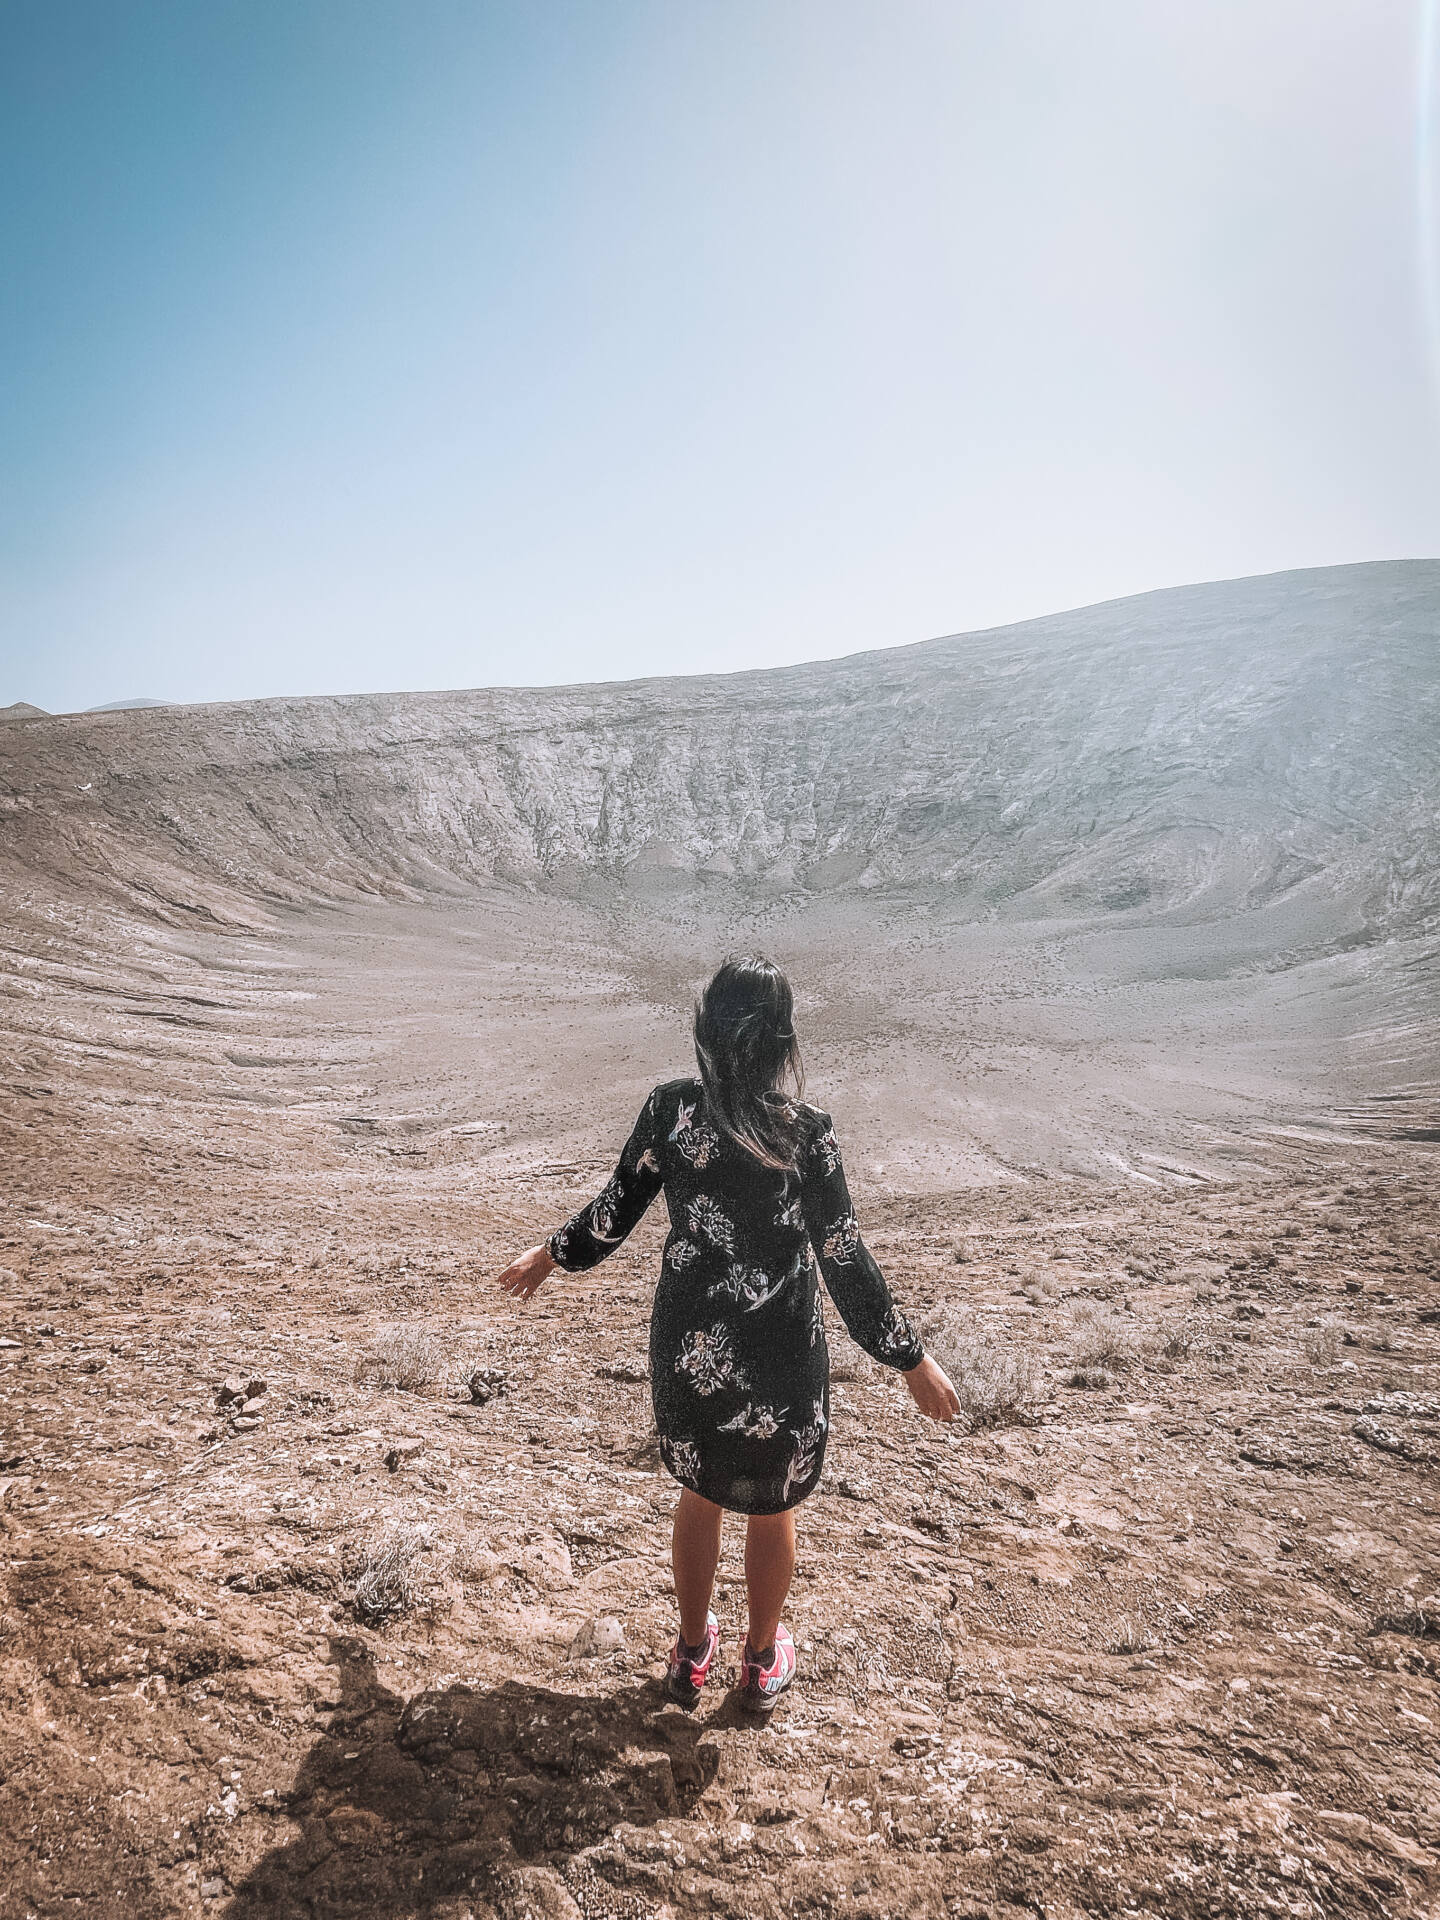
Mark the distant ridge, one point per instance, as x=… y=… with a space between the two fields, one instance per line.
x=1198 y=752
x=127 y=706
x=22 y=710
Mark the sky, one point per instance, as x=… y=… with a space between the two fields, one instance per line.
x=352 y=346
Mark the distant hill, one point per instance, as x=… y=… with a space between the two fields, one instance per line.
x=126 y=706
x=1199 y=751
x=22 y=710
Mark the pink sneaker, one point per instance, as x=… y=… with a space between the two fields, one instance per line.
x=688 y=1672
x=761 y=1687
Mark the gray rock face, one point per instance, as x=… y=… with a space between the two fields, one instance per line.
x=1205 y=749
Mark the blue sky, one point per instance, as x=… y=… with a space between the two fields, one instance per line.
x=364 y=346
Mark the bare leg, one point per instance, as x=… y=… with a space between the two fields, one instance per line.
x=696 y=1549
x=769 y=1568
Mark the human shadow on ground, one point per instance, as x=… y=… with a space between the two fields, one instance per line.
x=403 y=1805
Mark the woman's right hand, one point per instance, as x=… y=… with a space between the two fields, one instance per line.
x=931 y=1390
x=527 y=1274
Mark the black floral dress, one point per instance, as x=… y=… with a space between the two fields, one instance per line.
x=739 y=1371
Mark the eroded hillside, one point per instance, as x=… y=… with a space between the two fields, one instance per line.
x=1198 y=750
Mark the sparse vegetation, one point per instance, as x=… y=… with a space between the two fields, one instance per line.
x=1176 y=1341
x=1041 y=1287
x=1130 y=1637
x=1102 y=1339
x=1322 y=1344
x=993 y=1382
x=408 y=1358
x=387 y=1581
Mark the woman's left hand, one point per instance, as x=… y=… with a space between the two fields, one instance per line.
x=527 y=1274
x=931 y=1390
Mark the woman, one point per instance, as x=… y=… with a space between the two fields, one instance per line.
x=739 y=1372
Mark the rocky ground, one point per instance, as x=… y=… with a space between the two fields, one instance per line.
x=334 y=1584
x=282 y=1635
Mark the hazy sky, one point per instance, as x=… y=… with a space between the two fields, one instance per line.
x=434 y=343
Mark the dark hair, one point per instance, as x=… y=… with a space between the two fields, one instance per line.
x=746 y=1046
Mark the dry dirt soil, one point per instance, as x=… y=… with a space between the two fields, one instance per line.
x=333 y=1583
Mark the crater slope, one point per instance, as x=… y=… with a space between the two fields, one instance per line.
x=1152 y=886
x=1199 y=749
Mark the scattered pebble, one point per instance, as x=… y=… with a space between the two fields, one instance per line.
x=598 y=1637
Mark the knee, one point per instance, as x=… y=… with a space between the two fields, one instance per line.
x=771 y=1529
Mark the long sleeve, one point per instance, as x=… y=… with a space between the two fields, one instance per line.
x=856 y=1283
x=599 y=1227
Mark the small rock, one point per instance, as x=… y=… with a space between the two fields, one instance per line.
x=598 y=1637
x=484 y=1384
x=244 y=1422
x=630 y=1370
x=1412 y=1406
x=47 y=1332
x=214 y=1889
x=1376 y=1435
x=401 y=1451
x=481 y=1564
x=253 y=1406
x=230 y=1391
x=6 y=1341
x=1072 y=1528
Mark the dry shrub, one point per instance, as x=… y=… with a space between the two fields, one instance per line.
x=405 y=1357
x=1322 y=1344
x=994 y=1383
x=1100 y=1338
x=388 y=1578
x=1130 y=1637
x=1178 y=1340
x=1095 y=1377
